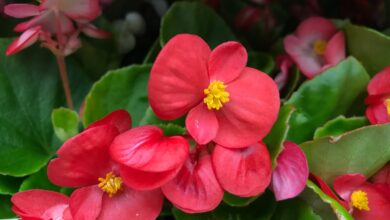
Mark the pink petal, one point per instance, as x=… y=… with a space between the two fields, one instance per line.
x=377 y=202
x=84 y=158
x=202 y=124
x=92 y=31
x=195 y=189
x=130 y=204
x=383 y=175
x=145 y=148
x=34 y=203
x=303 y=54
x=335 y=49
x=28 y=38
x=377 y=114
x=244 y=172
x=76 y=9
x=227 y=61
x=48 y=21
x=21 y=10
x=291 y=173
x=86 y=202
x=344 y=185
x=251 y=111
x=315 y=28
x=143 y=180
x=179 y=76
x=380 y=83
x=119 y=119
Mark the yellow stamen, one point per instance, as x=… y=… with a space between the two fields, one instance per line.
x=216 y=95
x=359 y=200
x=111 y=184
x=388 y=106
x=319 y=47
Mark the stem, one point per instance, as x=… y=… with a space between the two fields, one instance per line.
x=64 y=78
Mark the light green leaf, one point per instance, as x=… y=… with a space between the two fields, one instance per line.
x=340 y=125
x=38 y=180
x=65 y=123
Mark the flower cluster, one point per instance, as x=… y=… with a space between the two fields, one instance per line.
x=56 y=23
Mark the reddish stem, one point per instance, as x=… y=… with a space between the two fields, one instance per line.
x=64 y=78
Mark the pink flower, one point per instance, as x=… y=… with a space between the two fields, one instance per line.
x=41 y=204
x=84 y=162
x=315 y=46
x=291 y=173
x=378 y=100
x=228 y=103
x=284 y=63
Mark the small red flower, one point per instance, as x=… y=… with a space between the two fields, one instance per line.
x=315 y=45
x=84 y=162
x=41 y=204
x=228 y=103
x=378 y=100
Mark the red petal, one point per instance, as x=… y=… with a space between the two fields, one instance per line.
x=195 y=189
x=377 y=114
x=76 y=9
x=380 y=83
x=92 y=31
x=202 y=124
x=344 y=185
x=83 y=158
x=383 y=175
x=48 y=22
x=143 y=180
x=179 y=76
x=377 y=202
x=291 y=173
x=335 y=49
x=145 y=148
x=251 y=111
x=119 y=119
x=28 y=38
x=34 y=203
x=130 y=204
x=86 y=203
x=244 y=172
x=315 y=28
x=227 y=61
x=21 y=10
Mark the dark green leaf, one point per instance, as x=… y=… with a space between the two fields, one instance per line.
x=124 y=88
x=38 y=180
x=261 y=61
x=237 y=201
x=326 y=96
x=340 y=125
x=9 y=185
x=364 y=151
x=153 y=52
x=294 y=209
x=65 y=123
x=194 y=18
x=5 y=207
x=151 y=119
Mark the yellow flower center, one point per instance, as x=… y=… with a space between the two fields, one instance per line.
x=388 y=106
x=319 y=47
x=216 y=95
x=359 y=200
x=111 y=184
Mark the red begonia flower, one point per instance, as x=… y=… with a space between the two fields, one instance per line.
x=244 y=172
x=291 y=173
x=41 y=204
x=228 y=103
x=195 y=188
x=315 y=45
x=84 y=161
x=383 y=175
x=148 y=159
x=367 y=201
x=378 y=100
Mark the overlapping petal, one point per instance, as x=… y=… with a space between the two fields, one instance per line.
x=316 y=28
x=76 y=9
x=21 y=10
x=244 y=172
x=86 y=202
x=120 y=119
x=344 y=185
x=380 y=83
x=335 y=49
x=28 y=38
x=378 y=203
x=202 y=124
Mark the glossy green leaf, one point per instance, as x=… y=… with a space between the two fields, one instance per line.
x=369 y=46
x=150 y=118
x=237 y=201
x=5 y=207
x=29 y=89
x=326 y=96
x=274 y=140
x=294 y=209
x=172 y=129
x=194 y=18
x=65 y=123
x=124 y=88
x=153 y=52
x=340 y=125
x=364 y=151
x=38 y=180
x=261 y=61
x=9 y=185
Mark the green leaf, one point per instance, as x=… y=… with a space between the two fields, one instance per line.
x=38 y=180
x=364 y=151
x=274 y=140
x=29 y=89
x=180 y=215
x=194 y=18
x=294 y=209
x=261 y=61
x=237 y=201
x=151 y=119
x=153 y=52
x=124 y=88
x=9 y=185
x=369 y=46
x=172 y=129
x=5 y=207
x=65 y=123
x=326 y=96
x=340 y=125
